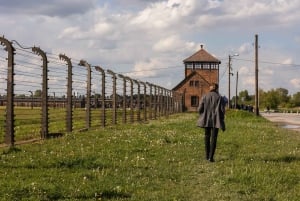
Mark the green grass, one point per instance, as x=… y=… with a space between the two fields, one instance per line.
x=28 y=121
x=161 y=160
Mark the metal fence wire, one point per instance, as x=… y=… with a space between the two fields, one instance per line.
x=44 y=95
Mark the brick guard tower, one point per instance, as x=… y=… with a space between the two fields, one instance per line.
x=201 y=69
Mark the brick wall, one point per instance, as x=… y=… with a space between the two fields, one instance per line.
x=197 y=86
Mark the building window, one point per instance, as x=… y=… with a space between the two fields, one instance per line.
x=194 y=83
x=194 y=101
x=191 y=83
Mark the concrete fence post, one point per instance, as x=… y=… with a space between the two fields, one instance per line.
x=114 y=96
x=138 y=106
x=124 y=115
x=88 y=92
x=159 y=96
x=103 y=114
x=69 y=119
x=155 y=101
x=167 y=102
x=150 y=100
x=9 y=132
x=164 y=101
x=45 y=111
x=144 y=101
x=131 y=100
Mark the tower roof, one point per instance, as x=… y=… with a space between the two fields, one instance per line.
x=202 y=56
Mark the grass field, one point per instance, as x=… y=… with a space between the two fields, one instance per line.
x=28 y=121
x=162 y=160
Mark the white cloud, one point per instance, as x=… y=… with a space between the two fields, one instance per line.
x=146 y=68
x=245 y=48
x=250 y=81
x=244 y=70
x=164 y=15
x=174 y=44
x=167 y=44
x=295 y=83
x=287 y=61
x=267 y=71
x=103 y=28
x=71 y=32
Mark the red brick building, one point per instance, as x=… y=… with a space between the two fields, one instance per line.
x=201 y=69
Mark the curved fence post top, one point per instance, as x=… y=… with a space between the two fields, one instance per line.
x=111 y=72
x=137 y=82
x=65 y=58
x=122 y=76
x=129 y=79
x=39 y=51
x=84 y=63
x=99 y=69
x=143 y=83
x=150 y=84
x=8 y=44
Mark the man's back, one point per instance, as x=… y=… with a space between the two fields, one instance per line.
x=211 y=111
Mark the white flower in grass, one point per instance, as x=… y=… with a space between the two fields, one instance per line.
x=118 y=189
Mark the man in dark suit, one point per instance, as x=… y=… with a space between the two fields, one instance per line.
x=212 y=113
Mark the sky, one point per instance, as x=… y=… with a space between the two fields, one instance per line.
x=149 y=39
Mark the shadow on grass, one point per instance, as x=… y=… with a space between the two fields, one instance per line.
x=71 y=163
x=54 y=135
x=104 y=195
x=56 y=194
x=284 y=159
x=113 y=195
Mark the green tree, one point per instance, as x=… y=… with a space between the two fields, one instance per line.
x=272 y=99
x=38 y=93
x=244 y=95
x=262 y=97
x=283 y=96
x=295 y=100
x=20 y=95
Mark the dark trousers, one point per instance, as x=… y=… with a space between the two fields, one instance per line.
x=210 y=139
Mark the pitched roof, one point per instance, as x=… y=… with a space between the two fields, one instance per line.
x=188 y=78
x=202 y=56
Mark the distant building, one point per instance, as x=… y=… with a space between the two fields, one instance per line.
x=201 y=69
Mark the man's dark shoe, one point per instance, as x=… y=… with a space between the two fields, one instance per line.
x=211 y=160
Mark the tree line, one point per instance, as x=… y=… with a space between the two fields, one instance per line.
x=273 y=99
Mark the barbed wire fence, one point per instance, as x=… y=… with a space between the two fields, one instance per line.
x=44 y=95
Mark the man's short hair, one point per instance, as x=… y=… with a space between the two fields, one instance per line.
x=213 y=87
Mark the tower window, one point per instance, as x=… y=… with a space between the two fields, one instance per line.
x=198 y=66
x=189 y=65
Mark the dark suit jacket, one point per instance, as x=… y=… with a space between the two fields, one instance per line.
x=212 y=111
